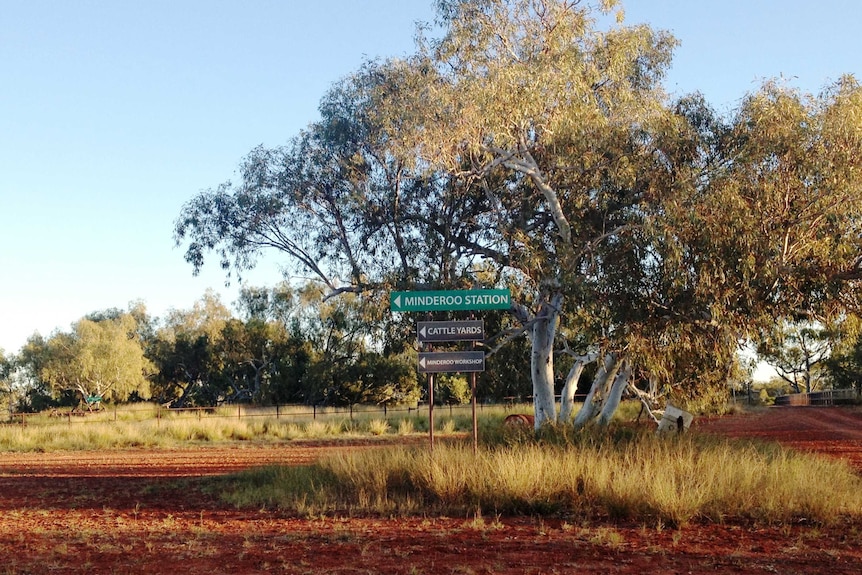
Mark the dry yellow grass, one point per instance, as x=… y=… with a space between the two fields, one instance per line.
x=668 y=481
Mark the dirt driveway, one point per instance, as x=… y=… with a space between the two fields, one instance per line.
x=137 y=512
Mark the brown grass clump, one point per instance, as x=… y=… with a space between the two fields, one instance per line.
x=626 y=474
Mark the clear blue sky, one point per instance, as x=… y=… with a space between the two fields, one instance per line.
x=113 y=114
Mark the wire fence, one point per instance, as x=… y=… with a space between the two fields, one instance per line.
x=288 y=413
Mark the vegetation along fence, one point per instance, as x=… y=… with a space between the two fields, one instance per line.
x=827 y=397
x=298 y=413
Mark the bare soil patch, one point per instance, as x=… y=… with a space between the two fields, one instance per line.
x=139 y=511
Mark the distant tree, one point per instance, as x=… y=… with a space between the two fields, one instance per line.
x=98 y=358
x=6 y=369
x=279 y=304
x=844 y=365
x=186 y=370
x=189 y=370
x=35 y=390
x=451 y=389
x=250 y=351
x=348 y=366
x=373 y=379
x=5 y=366
x=798 y=353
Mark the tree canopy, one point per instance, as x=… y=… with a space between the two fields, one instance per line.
x=101 y=359
x=532 y=146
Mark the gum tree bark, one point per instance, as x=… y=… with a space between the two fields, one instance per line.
x=593 y=402
x=612 y=401
x=567 y=397
x=542 y=359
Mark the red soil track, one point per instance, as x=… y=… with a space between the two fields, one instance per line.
x=833 y=431
x=140 y=512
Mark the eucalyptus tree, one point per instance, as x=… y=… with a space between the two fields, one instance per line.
x=776 y=232
x=665 y=234
x=768 y=233
x=533 y=141
x=185 y=352
x=798 y=352
x=787 y=210
x=543 y=119
x=348 y=215
x=102 y=359
x=330 y=202
x=6 y=369
x=514 y=144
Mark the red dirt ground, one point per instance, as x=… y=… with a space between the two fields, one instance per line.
x=137 y=512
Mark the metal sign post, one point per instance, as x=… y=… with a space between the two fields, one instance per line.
x=431 y=410
x=473 y=397
x=473 y=330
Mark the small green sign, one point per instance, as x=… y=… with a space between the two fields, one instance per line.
x=453 y=300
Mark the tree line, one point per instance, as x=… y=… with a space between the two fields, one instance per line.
x=279 y=345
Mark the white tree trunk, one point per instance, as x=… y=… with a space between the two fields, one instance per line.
x=601 y=381
x=612 y=401
x=567 y=399
x=542 y=360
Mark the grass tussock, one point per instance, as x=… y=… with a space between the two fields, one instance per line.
x=622 y=476
x=171 y=432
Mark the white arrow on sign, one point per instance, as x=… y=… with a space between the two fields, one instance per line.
x=422 y=362
x=397 y=301
x=422 y=332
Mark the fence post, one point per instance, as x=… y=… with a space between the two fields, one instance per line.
x=276 y=411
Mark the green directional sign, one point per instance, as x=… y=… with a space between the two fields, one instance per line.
x=452 y=300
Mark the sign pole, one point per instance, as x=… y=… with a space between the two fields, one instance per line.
x=431 y=410
x=430 y=347
x=473 y=395
x=475 y=422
